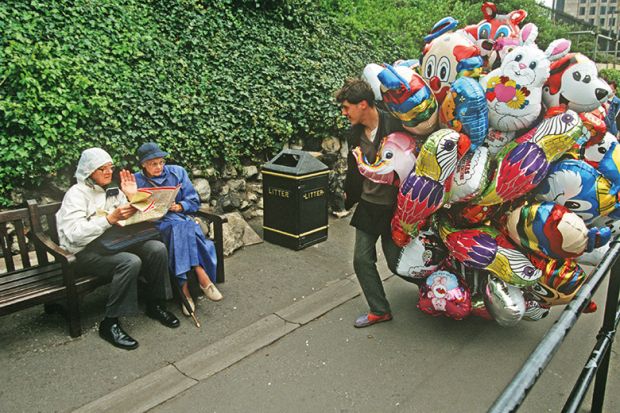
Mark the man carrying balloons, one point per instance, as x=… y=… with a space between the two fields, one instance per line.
x=373 y=214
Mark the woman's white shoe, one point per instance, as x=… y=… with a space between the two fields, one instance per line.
x=212 y=292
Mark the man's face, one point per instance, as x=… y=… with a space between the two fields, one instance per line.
x=103 y=175
x=353 y=111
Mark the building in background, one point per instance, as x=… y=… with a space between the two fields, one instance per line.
x=601 y=13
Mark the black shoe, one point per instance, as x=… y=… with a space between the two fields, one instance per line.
x=157 y=312
x=115 y=335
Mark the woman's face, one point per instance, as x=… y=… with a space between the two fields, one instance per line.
x=154 y=167
x=103 y=175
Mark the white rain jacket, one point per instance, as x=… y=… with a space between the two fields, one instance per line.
x=81 y=217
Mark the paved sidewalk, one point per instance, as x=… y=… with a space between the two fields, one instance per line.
x=283 y=340
x=37 y=352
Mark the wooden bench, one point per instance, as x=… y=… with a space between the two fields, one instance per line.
x=49 y=276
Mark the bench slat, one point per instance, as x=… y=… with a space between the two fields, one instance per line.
x=14 y=215
x=52 y=284
x=40 y=295
x=28 y=273
x=21 y=241
x=6 y=247
x=24 y=284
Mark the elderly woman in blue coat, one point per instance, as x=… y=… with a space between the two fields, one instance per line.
x=188 y=248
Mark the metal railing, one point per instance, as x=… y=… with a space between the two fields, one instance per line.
x=597 y=364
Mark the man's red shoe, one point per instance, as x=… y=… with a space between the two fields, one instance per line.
x=590 y=308
x=370 y=319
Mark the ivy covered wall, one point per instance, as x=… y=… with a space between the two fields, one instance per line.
x=213 y=82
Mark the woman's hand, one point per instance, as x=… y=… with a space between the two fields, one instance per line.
x=128 y=184
x=176 y=208
x=121 y=213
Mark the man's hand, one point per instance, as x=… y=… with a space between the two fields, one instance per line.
x=121 y=213
x=176 y=208
x=128 y=184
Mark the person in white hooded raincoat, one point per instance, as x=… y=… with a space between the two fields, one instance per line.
x=88 y=209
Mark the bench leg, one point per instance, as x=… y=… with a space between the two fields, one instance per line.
x=75 y=325
x=72 y=316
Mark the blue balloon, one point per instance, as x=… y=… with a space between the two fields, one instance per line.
x=580 y=188
x=465 y=110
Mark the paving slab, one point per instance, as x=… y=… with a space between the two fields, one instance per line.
x=209 y=361
x=282 y=340
x=142 y=394
x=37 y=352
x=415 y=363
x=320 y=302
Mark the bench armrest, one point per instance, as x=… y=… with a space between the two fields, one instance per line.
x=218 y=239
x=211 y=217
x=62 y=255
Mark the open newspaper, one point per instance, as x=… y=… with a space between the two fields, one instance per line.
x=151 y=203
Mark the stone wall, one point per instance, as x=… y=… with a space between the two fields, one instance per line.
x=236 y=193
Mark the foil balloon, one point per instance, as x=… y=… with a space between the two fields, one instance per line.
x=496 y=32
x=464 y=109
x=422 y=193
x=485 y=248
x=610 y=221
x=535 y=311
x=594 y=257
x=395 y=159
x=408 y=97
x=574 y=82
x=479 y=308
x=443 y=293
x=605 y=157
x=448 y=55
x=523 y=164
x=514 y=90
x=468 y=215
x=580 y=188
x=471 y=176
x=371 y=75
x=410 y=63
x=560 y=281
x=553 y=230
x=594 y=127
x=505 y=302
x=496 y=140
x=421 y=257
x=594 y=153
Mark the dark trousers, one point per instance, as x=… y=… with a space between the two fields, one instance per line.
x=148 y=259
x=365 y=265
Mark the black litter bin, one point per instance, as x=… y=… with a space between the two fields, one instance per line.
x=295 y=199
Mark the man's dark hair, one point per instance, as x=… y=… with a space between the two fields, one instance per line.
x=609 y=81
x=354 y=91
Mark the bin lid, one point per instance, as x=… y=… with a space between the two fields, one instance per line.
x=295 y=162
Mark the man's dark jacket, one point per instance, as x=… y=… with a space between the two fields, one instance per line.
x=353 y=180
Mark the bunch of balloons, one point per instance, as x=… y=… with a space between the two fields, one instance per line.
x=507 y=177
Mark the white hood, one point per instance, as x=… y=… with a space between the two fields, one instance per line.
x=90 y=161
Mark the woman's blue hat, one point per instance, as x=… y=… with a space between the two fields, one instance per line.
x=150 y=150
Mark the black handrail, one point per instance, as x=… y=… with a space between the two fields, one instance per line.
x=515 y=392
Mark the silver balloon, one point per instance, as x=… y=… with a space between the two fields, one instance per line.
x=505 y=302
x=534 y=311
